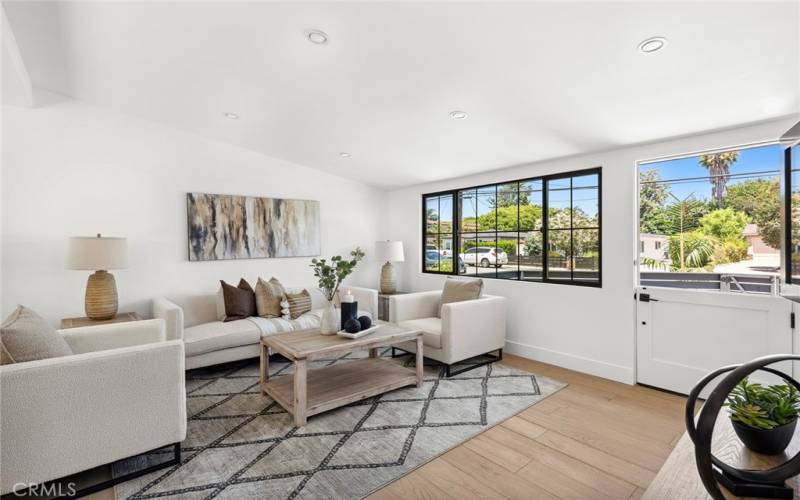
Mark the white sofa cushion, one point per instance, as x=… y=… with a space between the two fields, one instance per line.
x=216 y=335
x=431 y=330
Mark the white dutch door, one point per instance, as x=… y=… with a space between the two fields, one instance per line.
x=682 y=335
x=709 y=260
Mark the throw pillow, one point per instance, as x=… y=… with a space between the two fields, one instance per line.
x=299 y=303
x=220 y=305
x=240 y=301
x=26 y=336
x=269 y=295
x=457 y=290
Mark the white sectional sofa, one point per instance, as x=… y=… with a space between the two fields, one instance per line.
x=209 y=341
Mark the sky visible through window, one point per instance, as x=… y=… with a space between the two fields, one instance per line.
x=760 y=162
x=713 y=212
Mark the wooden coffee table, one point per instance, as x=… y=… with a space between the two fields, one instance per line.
x=310 y=392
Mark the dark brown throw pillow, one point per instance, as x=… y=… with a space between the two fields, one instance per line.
x=240 y=302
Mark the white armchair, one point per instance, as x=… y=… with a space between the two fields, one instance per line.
x=465 y=330
x=121 y=394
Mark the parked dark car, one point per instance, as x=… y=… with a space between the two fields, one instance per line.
x=433 y=258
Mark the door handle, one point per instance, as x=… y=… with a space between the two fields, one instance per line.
x=645 y=297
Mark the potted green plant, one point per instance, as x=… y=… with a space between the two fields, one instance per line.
x=764 y=418
x=330 y=275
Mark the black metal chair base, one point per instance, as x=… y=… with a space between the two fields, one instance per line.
x=756 y=490
x=447 y=372
x=65 y=487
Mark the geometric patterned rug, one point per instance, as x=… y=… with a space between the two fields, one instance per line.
x=241 y=444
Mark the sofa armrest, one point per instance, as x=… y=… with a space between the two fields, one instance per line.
x=473 y=327
x=367 y=298
x=172 y=314
x=114 y=335
x=414 y=305
x=69 y=414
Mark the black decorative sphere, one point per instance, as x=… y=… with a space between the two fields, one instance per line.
x=365 y=322
x=352 y=326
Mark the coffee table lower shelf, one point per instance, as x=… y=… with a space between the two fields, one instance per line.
x=338 y=385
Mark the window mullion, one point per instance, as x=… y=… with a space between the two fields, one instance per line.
x=545 y=230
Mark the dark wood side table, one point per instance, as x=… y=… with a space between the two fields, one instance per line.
x=77 y=322
x=383 y=304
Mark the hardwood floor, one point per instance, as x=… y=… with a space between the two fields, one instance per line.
x=595 y=439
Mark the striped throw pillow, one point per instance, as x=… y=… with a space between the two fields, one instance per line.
x=299 y=303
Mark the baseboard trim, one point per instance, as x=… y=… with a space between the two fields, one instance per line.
x=572 y=362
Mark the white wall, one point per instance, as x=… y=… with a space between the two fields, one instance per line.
x=73 y=169
x=587 y=329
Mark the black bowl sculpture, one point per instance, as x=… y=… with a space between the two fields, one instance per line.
x=767 y=483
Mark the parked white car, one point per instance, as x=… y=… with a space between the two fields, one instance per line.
x=484 y=257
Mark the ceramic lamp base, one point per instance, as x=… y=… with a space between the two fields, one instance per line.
x=101 y=296
x=388 y=280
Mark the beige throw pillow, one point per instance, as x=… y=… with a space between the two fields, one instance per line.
x=26 y=336
x=299 y=303
x=220 y=304
x=457 y=290
x=269 y=295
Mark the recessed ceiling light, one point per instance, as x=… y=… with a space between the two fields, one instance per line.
x=232 y=116
x=344 y=155
x=458 y=115
x=316 y=36
x=652 y=44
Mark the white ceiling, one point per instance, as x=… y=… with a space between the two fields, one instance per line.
x=539 y=80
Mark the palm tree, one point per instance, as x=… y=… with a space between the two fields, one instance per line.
x=718 y=166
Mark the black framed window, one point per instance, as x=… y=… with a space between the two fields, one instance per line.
x=573 y=228
x=792 y=216
x=502 y=230
x=438 y=216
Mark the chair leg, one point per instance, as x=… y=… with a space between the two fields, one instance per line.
x=63 y=484
x=492 y=359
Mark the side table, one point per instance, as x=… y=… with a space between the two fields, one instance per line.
x=78 y=322
x=383 y=304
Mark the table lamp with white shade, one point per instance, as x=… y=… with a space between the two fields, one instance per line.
x=99 y=254
x=388 y=251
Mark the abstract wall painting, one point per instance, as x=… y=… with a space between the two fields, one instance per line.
x=223 y=227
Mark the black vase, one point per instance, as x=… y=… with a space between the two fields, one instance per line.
x=349 y=311
x=766 y=441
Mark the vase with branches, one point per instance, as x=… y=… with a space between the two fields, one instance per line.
x=330 y=274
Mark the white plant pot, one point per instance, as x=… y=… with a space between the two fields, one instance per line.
x=329 y=324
